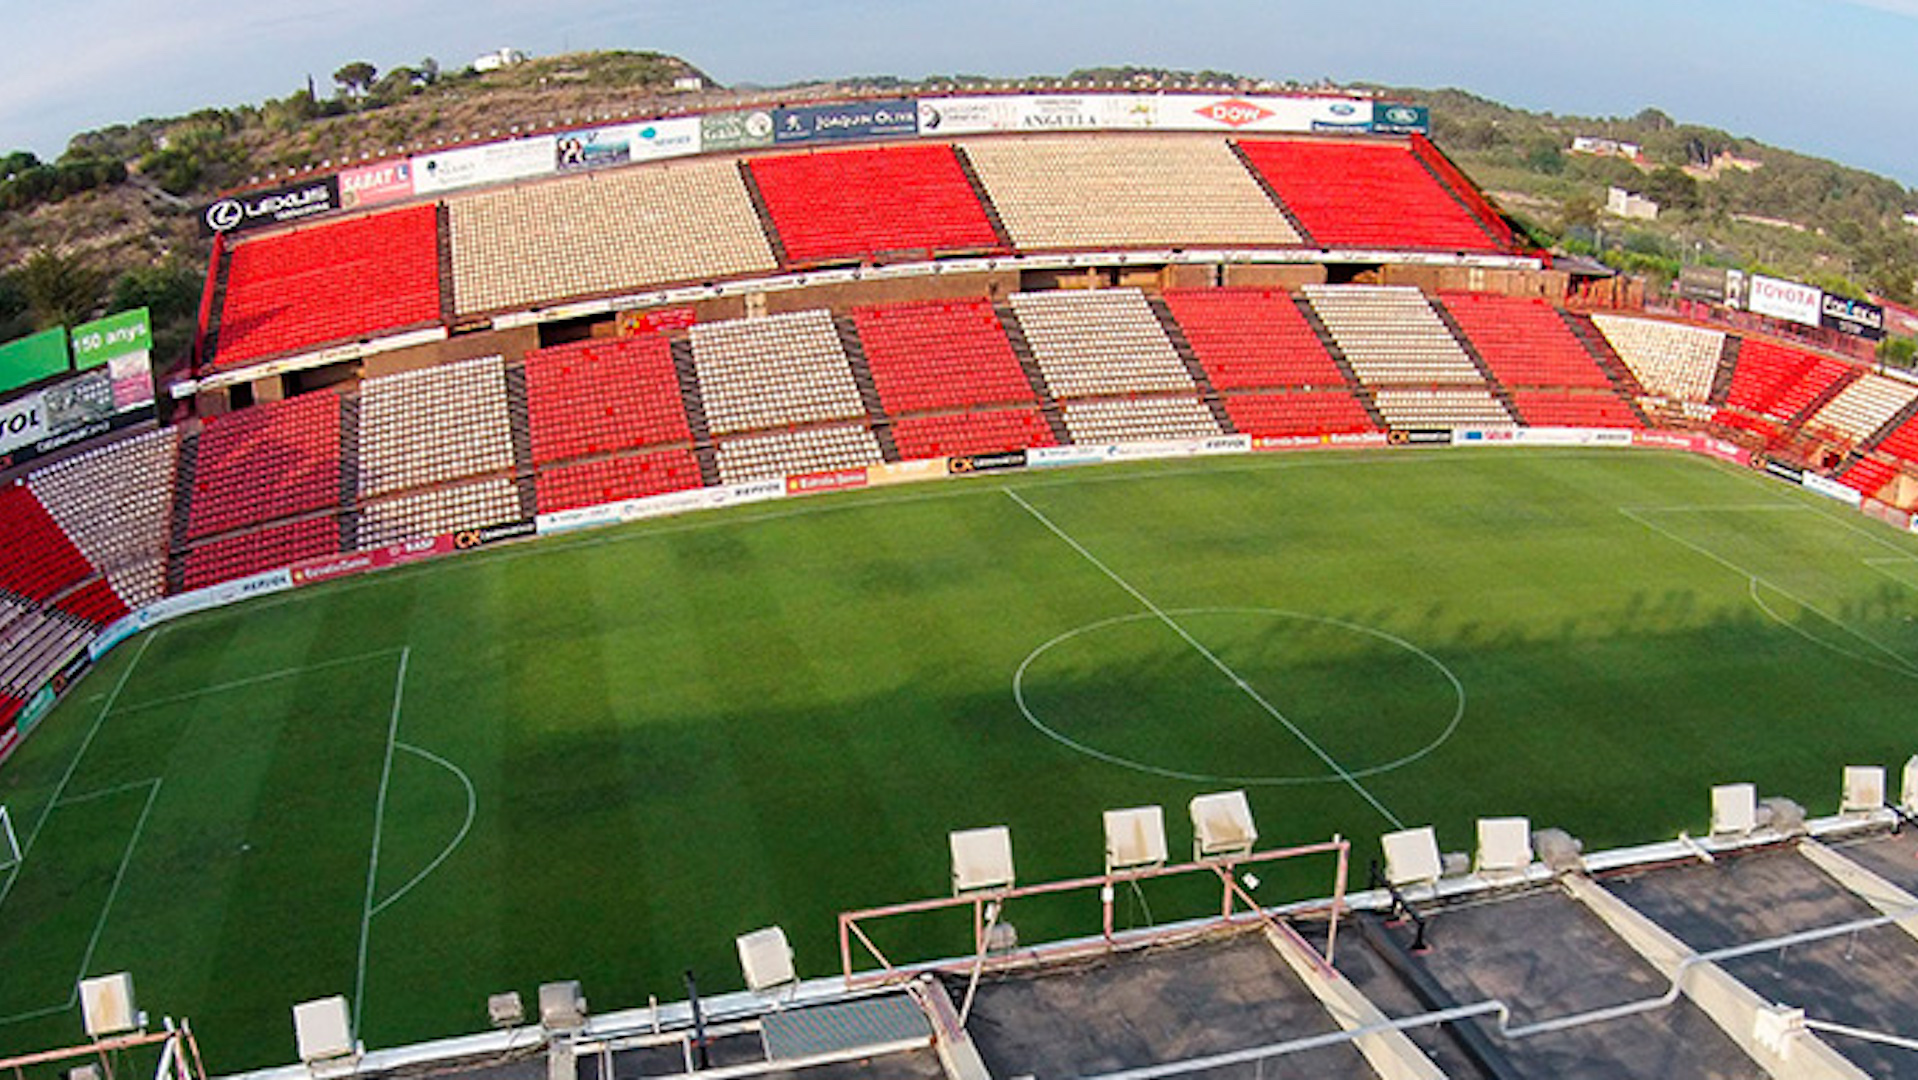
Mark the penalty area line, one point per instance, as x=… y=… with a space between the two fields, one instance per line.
x=1225 y=669
x=379 y=822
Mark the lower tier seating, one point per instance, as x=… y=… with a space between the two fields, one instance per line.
x=921 y=437
x=604 y=395
x=274 y=460
x=37 y=560
x=944 y=354
x=114 y=500
x=1139 y=420
x=791 y=453
x=1252 y=338
x=1314 y=413
x=426 y=514
x=1560 y=408
x=611 y=480
x=270 y=548
x=1441 y=409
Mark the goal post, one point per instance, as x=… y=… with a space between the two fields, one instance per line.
x=9 y=842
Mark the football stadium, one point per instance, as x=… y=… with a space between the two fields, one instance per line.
x=977 y=586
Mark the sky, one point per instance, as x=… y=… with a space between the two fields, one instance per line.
x=1833 y=78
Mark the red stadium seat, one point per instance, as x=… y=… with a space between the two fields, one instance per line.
x=1252 y=339
x=1350 y=194
x=1525 y=342
x=1314 y=413
x=39 y=560
x=595 y=483
x=940 y=355
x=268 y=549
x=273 y=460
x=920 y=437
x=603 y=395
x=860 y=204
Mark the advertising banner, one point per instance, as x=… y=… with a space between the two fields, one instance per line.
x=226 y=592
x=1790 y=473
x=33 y=358
x=1705 y=283
x=1049 y=457
x=1398 y=118
x=1854 y=317
x=832 y=480
x=978 y=463
x=328 y=567
x=1831 y=489
x=1786 y=300
x=658 y=139
x=124 y=334
x=904 y=472
x=9 y=738
x=1266 y=114
x=1224 y=444
x=966 y=115
x=1419 y=437
x=736 y=130
x=656 y=321
x=494 y=163
x=371 y=185
x=23 y=421
x=274 y=206
x=593 y=148
x=467 y=539
x=91 y=403
x=846 y=120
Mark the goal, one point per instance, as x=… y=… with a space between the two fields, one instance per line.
x=9 y=843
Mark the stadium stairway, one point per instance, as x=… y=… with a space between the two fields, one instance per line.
x=180 y=518
x=1272 y=193
x=1189 y=356
x=1727 y=367
x=682 y=352
x=1358 y=389
x=1022 y=350
x=1499 y=390
x=868 y=389
x=1446 y=186
x=350 y=468
x=1621 y=377
x=763 y=213
x=449 y=310
x=985 y=198
x=520 y=427
x=1838 y=386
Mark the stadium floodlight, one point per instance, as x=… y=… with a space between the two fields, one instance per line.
x=1734 y=809
x=1504 y=845
x=10 y=844
x=1222 y=825
x=1135 y=838
x=1412 y=857
x=1864 y=789
x=981 y=860
x=766 y=959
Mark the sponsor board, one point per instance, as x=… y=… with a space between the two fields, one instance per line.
x=91 y=403
x=736 y=130
x=23 y=421
x=1263 y=443
x=751 y=491
x=1419 y=437
x=657 y=139
x=966 y=464
x=1398 y=118
x=467 y=539
x=1267 y=114
x=1224 y=444
x=32 y=358
x=1050 y=457
x=1854 y=317
x=831 y=480
x=1786 y=300
x=9 y=739
x=592 y=148
x=117 y=631
x=227 y=592
x=1150 y=451
x=331 y=567
x=36 y=707
x=585 y=517
x=905 y=472
x=1832 y=489
x=1707 y=283
x=846 y=120
x=493 y=163
x=656 y=321
x=1780 y=469
x=1050 y=112
x=274 y=206
x=371 y=185
x=675 y=502
x=1478 y=437
x=129 y=333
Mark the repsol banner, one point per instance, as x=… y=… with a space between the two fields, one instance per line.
x=275 y=206
x=849 y=120
x=1854 y=317
x=966 y=464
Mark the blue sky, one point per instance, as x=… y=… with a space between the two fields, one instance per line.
x=1829 y=77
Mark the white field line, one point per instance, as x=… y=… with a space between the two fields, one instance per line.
x=472 y=806
x=75 y=800
x=74 y=765
x=1903 y=663
x=1213 y=659
x=379 y=822
x=106 y=908
x=1863 y=658
x=255 y=680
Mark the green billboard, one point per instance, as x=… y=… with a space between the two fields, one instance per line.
x=31 y=359
x=115 y=336
x=736 y=130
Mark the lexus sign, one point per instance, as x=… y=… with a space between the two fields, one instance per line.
x=274 y=206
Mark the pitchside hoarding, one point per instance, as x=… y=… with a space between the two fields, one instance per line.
x=1854 y=317
x=846 y=121
x=274 y=206
x=372 y=185
x=494 y=163
x=1786 y=300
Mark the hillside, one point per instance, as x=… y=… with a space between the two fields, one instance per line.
x=110 y=222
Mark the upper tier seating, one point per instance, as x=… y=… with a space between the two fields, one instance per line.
x=140 y=583
x=593 y=397
x=1107 y=191
x=434 y=425
x=1316 y=413
x=1389 y=334
x=1669 y=359
x=860 y=204
x=245 y=554
x=1779 y=381
x=273 y=460
x=426 y=514
x=610 y=480
x=114 y=500
x=1861 y=409
x=603 y=232
x=1868 y=476
x=792 y=453
x=1441 y=408
x=1524 y=341
x=1902 y=443
x=1573 y=408
x=37 y=560
x=1091 y=344
x=1139 y=420
x=940 y=355
x=775 y=371
x=323 y=284
x=920 y=437
x=1252 y=338
x=1366 y=195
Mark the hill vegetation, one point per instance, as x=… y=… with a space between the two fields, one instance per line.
x=109 y=222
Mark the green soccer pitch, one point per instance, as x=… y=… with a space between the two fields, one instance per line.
x=603 y=756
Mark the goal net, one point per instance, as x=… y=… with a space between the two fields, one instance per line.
x=9 y=843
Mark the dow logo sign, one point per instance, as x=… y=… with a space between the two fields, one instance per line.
x=1236 y=112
